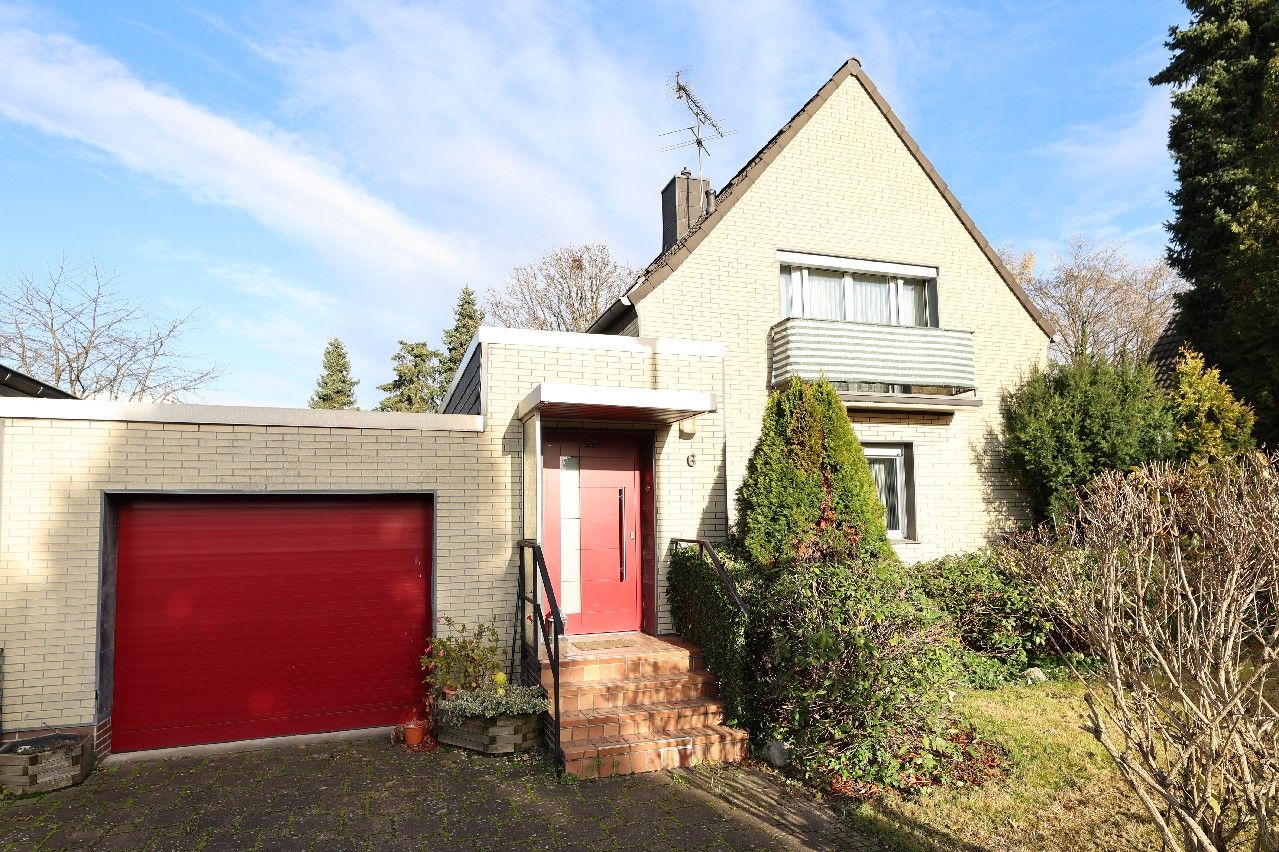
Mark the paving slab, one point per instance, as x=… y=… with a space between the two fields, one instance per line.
x=367 y=795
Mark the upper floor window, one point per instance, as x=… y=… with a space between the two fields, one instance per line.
x=883 y=293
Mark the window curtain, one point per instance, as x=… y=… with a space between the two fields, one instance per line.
x=825 y=296
x=914 y=308
x=788 y=282
x=884 y=472
x=871 y=300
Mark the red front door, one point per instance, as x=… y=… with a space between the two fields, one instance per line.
x=591 y=533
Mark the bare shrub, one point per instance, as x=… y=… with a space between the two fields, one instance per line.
x=1172 y=577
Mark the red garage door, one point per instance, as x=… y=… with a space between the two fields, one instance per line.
x=243 y=617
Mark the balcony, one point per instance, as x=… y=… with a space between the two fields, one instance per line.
x=877 y=354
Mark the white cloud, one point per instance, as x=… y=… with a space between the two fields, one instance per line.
x=68 y=89
x=1116 y=174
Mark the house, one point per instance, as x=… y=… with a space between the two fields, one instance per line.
x=182 y=574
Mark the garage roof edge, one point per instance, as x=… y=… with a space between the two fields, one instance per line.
x=14 y=408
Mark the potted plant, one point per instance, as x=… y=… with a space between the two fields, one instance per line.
x=476 y=707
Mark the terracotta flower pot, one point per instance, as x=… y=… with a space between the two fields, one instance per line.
x=413 y=733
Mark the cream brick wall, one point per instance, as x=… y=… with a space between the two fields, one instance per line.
x=53 y=473
x=846 y=185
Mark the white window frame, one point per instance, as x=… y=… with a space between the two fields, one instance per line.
x=799 y=294
x=896 y=452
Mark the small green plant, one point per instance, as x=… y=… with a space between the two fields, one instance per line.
x=467 y=658
x=492 y=700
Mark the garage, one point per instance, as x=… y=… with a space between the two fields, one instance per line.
x=238 y=617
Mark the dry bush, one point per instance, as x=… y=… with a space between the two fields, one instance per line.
x=1172 y=578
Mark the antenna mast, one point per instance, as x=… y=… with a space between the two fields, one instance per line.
x=704 y=124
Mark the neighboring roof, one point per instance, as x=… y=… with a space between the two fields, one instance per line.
x=25 y=385
x=1163 y=355
x=668 y=261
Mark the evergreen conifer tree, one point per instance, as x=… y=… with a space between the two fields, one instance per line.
x=1211 y=424
x=808 y=490
x=1225 y=234
x=1067 y=423
x=335 y=388
x=467 y=317
x=416 y=386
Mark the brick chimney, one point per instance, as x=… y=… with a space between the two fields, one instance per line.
x=685 y=200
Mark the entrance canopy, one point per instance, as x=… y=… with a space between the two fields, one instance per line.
x=635 y=405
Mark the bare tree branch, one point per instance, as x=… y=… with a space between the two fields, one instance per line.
x=564 y=291
x=75 y=329
x=1098 y=299
x=1171 y=577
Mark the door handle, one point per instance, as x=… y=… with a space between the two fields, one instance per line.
x=621 y=528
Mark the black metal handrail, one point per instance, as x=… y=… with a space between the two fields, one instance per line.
x=708 y=553
x=530 y=622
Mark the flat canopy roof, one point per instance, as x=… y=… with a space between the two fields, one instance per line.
x=635 y=405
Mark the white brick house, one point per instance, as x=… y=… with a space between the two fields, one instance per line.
x=148 y=547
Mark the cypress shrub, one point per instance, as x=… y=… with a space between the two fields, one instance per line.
x=808 y=490
x=1212 y=425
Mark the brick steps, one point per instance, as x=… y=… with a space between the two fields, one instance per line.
x=639 y=690
x=637 y=720
x=636 y=703
x=607 y=756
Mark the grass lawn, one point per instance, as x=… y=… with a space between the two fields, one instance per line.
x=1061 y=792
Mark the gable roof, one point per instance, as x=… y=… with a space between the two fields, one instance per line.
x=1166 y=351
x=668 y=261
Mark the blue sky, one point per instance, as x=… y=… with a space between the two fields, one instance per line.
x=303 y=170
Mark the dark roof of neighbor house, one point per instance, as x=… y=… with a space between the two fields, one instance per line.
x=666 y=262
x=20 y=384
x=1163 y=355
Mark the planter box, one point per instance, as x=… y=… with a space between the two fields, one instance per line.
x=497 y=735
x=41 y=764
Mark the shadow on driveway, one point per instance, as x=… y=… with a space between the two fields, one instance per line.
x=368 y=795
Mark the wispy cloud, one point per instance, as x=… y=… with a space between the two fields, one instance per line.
x=1117 y=168
x=71 y=90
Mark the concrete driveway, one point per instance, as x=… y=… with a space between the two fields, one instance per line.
x=364 y=794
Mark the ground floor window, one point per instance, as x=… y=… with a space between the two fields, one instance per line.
x=893 y=471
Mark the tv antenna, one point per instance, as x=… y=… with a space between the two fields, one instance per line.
x=703 y=126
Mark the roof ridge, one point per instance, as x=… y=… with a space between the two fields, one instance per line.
x=669 y=259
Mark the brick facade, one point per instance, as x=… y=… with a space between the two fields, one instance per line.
x=846 y=184
x=54 y=474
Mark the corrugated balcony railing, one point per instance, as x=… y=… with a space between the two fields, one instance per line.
x=862 y=352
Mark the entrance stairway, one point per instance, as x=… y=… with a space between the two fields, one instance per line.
x=632 y=703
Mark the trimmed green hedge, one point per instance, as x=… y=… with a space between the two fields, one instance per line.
x=706 y=616
x=854 y=667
